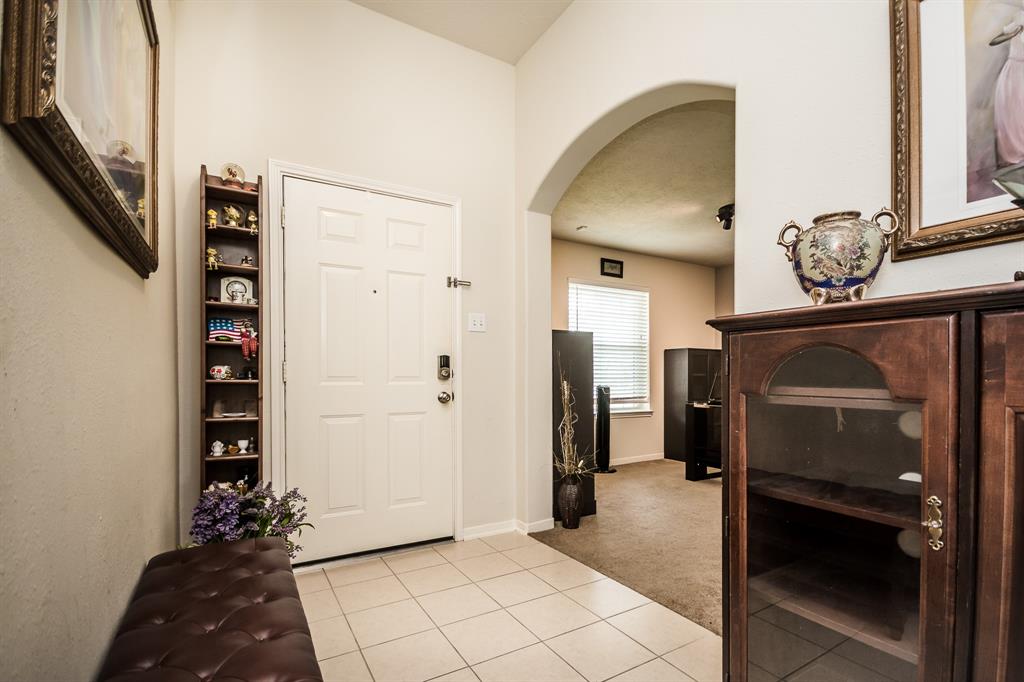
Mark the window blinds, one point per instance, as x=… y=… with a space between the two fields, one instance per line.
x=618 y=318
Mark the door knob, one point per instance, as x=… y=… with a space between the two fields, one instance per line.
x=444 y=397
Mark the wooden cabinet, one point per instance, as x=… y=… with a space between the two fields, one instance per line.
x=873 y=475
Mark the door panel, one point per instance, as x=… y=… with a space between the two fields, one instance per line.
x=999 y=622
x=842 y=436
x=367 y=312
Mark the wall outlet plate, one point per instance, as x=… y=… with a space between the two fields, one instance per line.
x=477 y=322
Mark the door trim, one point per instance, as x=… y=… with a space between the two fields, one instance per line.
x=277 y=172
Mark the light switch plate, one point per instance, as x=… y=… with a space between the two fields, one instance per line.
x=477 y=322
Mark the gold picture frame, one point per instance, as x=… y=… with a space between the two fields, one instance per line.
x=87 y=115
x=915 y=239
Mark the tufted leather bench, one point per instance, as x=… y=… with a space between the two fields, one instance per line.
x=227 y=611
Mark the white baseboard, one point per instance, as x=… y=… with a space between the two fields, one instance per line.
x=536 y=526
x=637 y=458
x=482 y=531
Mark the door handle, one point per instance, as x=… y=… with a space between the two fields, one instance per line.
x=933 y=523
x=444 y=397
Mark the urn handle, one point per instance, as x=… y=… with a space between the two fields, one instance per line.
x=788 y=245
x=892 y=217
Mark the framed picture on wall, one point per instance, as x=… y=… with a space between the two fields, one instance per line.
x=957 y=122
x=611 y=268
x=79 y=92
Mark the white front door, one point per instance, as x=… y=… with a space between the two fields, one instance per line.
x=367 y=313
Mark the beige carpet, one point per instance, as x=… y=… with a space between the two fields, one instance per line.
x=657 y=533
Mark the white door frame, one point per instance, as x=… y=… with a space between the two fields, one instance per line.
x=277 y=172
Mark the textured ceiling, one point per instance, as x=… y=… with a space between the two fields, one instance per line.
x=656 y=188
x=503 y=29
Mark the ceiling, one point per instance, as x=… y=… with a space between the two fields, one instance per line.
x=502 y=29
x=655 y=189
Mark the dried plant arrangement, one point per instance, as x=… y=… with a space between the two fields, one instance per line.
x=570 y=463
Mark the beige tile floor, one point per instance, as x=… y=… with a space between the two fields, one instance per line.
x=504 y=608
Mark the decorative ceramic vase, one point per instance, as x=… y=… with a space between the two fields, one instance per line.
x=569 y=503
x=838 y=257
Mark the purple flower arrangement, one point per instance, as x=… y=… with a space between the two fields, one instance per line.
x=233 y=511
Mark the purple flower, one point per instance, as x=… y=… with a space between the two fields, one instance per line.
x=227 y=512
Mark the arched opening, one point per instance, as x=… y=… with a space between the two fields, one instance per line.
x=593 y=166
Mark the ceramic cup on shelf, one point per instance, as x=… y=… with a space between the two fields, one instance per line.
x=243 y=447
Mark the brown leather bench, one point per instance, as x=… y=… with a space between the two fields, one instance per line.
x=227 y=611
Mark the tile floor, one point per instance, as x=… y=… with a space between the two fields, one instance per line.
x=504 y=608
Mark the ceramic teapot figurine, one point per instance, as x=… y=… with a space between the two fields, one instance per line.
x=216 y=449
x=837 y=258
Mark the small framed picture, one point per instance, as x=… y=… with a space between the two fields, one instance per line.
x=611 y=268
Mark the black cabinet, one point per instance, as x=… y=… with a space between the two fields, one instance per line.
x=693 y=377
x=573 y=353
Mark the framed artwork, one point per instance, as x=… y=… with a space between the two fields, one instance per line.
x=79 y=92
x=611 y=268
x=957 y=120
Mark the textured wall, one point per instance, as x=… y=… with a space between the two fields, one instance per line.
x=88 y=417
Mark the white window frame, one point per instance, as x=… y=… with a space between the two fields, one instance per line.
x=642 y=409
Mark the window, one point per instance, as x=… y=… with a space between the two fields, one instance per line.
x=618 y=317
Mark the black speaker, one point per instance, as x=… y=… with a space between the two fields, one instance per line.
x=602 y=440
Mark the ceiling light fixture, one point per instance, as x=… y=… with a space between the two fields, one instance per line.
x=725 y=216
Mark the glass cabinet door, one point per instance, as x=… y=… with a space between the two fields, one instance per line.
x=836 y=490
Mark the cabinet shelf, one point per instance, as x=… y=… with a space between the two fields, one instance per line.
x=815 y=396
x=232 y=458
x=871 y=504
x=227 y=420
x=216 y=189
x=229 y=232
x=232 y=306
x=233 y=381
x=236 y=269
x=849 y=604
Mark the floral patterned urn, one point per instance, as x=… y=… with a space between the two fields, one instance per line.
x=837 y=258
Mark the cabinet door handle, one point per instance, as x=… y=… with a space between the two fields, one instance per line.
x=933 y=522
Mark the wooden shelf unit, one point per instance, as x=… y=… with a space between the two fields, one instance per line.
x=233 y=242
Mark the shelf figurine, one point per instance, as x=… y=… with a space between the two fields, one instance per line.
x=212 y=258
x=252 y=222
x=247 y=260
x=233 y=175
x=232 y=215
x=216 y=449
x=211 y=219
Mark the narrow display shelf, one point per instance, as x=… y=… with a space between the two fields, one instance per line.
x=224 y=343
x=233 y=381
x=237 y=269
x=231 y=233
x=232 y=458
x=232 y=306
x=225 y=420
x=872 y=504
x=849 y=604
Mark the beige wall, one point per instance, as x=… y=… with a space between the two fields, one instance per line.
x=337 y=86
x=725 y=303
x=88 y=433
x=682 y=297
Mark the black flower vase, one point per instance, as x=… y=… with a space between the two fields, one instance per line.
x=569 y=502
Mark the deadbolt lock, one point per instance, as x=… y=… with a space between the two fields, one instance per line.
x=444 y=369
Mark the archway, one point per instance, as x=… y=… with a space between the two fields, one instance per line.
x=534 y=496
